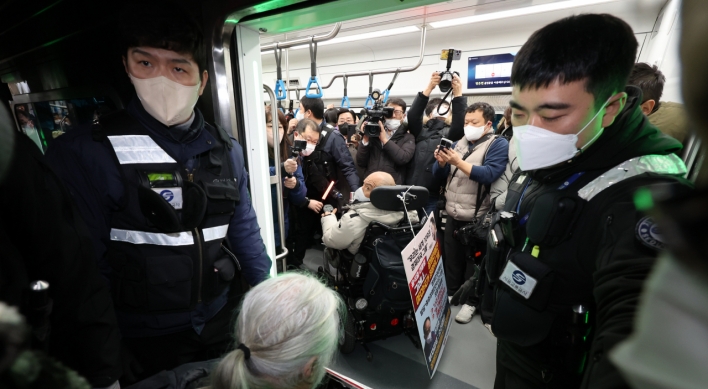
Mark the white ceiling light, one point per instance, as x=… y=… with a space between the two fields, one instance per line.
x=517 y=12
x=357 y=37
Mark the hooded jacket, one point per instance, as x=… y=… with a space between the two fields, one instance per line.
x=600 y=261
x=349 y=232
x=392 y=158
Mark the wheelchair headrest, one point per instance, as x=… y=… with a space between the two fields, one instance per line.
x=390 y=198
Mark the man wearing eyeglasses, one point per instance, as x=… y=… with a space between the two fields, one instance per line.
x=330 y=176
x=393 y=148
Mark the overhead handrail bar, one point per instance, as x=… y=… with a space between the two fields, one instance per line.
x=423 y=34
x=304 y=40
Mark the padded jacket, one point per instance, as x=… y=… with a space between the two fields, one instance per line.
x=349 y=232
x=392 y=158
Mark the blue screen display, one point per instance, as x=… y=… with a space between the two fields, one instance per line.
x=489 y=71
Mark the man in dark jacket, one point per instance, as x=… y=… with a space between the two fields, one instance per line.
x=393 y=148
x=567 y=281
x=428 y=134
x=166 y=197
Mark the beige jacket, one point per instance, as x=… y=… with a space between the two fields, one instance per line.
x=500 y=186
x=461 y=192
x=671 y=119
x=348 y=232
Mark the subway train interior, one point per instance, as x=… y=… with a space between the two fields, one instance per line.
x=62 y=70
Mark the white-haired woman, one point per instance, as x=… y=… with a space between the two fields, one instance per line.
x=287 y=332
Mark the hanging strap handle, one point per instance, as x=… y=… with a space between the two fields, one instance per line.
x=370 y=100
x=388 y=88
x=313 y=73
x=280 y=91
x=345 y=100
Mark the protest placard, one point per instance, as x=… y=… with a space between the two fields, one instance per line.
x=426 y=280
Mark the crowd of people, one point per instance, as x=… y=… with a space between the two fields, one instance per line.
x=154 y=248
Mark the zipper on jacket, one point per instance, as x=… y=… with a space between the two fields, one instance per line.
x=201 y=265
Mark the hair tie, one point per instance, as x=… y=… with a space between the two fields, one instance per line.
x=246 y=351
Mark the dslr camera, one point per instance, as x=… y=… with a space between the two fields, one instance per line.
x=448 y=55
x=376 y=115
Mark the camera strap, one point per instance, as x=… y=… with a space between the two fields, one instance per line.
x=444 y=100
x=280 y=89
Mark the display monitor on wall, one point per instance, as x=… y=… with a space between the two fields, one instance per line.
x=489 y=71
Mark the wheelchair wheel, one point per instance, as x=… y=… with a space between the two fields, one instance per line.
x=348 y=341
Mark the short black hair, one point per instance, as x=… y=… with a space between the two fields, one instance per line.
x=397 y=101
x=433 y=104
x=598 y=48
x=162 y=25
x=650 y=80
x=342 y=111
x=315 y=105
x=487 y=111
x=304 y=124
x=331 y=116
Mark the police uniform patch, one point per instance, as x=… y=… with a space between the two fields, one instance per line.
x=648 y=233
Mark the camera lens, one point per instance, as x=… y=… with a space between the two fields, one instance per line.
x=445 y=82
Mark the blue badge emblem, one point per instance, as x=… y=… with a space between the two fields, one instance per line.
x=519 y=277
x=648 y=233
x=167 y=195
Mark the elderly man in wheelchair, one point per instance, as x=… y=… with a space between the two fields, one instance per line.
x=363 y=260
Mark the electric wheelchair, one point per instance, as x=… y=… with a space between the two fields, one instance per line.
x=373 y=282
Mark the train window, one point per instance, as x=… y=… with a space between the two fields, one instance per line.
x=46 y=120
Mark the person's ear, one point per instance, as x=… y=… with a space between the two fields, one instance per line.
x=309 y=369
x=648 y=106
x=205 y=78
x=613 y=108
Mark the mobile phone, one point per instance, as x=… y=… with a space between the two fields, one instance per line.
x=445 y=144
x=452 y=54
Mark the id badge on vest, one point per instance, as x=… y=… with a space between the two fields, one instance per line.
x=518 y=280
x=171 y=195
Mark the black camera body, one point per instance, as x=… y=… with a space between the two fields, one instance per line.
x=297 y=148
x=446 y=80
x=377 y=114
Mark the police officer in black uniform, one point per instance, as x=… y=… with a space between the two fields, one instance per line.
x=569 y=254
x=166 y=197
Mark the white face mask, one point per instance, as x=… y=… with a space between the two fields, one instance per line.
x=473 y=133
x=429 y=338
x=538 y=148
x=308 y=150
x=167 y=101
x=359 y=195
x=437 y=114
x=299 y=115
x=393 y=124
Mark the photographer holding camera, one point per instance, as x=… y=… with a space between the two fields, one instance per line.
x=386 y=145
x=471 y=165
x=429 y=130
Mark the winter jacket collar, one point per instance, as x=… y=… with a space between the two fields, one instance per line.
x=181 y=147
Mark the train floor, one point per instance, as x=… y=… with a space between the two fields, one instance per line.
x=468 y=361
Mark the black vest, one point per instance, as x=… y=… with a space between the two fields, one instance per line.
x=559 y=239
x=167 y=245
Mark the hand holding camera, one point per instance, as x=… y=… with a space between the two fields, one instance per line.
x=444 y=154
x=290 y=166
x=432 y=84
x=290 y=182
